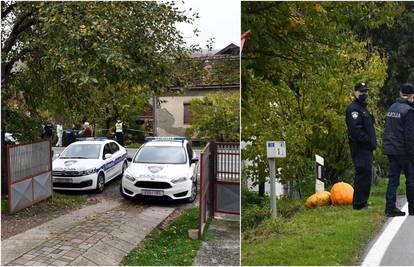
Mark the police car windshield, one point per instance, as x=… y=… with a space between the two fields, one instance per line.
x=161 y=155
x=81 y=151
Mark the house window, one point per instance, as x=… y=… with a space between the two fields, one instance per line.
x=187 y=114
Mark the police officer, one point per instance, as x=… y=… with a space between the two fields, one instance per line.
x=48 y=132
x=119 y=132
x=362 y=142
x=398 y=145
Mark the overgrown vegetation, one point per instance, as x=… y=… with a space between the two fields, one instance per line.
x=170 y=246
x=332 y=235
x=58 y=200
x=299 y=67
x=216 y=117
x=256 y=209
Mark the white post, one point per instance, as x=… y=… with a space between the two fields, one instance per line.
x=272 y=169
x=274 y=149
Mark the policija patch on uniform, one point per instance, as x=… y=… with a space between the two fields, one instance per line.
x=354 y=115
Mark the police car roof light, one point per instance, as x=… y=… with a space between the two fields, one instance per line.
x=169 y=138
x=97 y=138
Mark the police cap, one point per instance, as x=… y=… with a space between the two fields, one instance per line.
x=407 y=88
x=362 y=87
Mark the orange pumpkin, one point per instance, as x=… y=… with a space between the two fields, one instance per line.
x=342 y=194
x=318 y=199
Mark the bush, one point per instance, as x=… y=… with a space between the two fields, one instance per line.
x=256 y=209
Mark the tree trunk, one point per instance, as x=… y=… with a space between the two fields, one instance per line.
x=261 y=189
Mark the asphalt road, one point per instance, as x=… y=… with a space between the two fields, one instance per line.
x=400 y=251
x=394 y=245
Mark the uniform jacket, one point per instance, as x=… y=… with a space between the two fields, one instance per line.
x=399 y=129
x=360 y=124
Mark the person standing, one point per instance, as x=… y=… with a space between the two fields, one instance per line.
x=59 y=133
x=87 y=130
x=398 y=145
x=362 y=143
x=48 y=132
x=119 y=132
x=72 y=134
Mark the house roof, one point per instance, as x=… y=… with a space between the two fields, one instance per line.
x=231 y=49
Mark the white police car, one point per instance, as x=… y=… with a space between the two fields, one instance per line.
x=89 y=164
x=163 y=167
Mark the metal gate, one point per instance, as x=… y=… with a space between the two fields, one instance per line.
x=206 y=207
x=29 y=170
x=219 y=181
x=227 y=177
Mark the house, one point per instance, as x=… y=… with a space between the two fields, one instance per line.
x=173 y=116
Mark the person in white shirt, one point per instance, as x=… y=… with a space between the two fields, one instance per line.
x=59 y=132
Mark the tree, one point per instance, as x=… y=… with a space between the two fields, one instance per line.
x=92 y=56
x=216 y=117
x=76 y=59
x=299 y=67
x=395 y=40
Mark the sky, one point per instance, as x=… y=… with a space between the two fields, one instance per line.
x=218 y=18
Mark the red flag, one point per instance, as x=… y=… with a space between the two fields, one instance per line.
x=243 y=39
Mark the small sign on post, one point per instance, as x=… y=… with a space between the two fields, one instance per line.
x=319 y=170
x=274 y=149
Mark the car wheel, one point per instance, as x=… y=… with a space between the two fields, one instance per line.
x=123 y=194
x=100 y=184
x=193 y=193
x=124 y=166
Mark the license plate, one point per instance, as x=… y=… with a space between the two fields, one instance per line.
x=62 y=180
x=158 y=193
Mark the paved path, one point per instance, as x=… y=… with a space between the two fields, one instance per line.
x=223 y=246
x=394 y=246
x=85 y=237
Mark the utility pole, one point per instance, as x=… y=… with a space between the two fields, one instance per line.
x=154 y=115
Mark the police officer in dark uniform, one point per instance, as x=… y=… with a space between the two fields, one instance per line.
x=362 y=142
x=398 y=145
x=48 y=132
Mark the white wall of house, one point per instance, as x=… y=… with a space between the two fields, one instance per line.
x=175 y=106
x=170 y=113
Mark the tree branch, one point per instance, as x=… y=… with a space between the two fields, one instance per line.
x=7 y=67
x=22 y=23
x=7 y=8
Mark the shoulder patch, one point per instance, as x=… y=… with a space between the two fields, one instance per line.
x=354 y=115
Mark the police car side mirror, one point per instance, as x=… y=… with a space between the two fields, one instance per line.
x=194 y=160
x=108 y=155
x=57 y=155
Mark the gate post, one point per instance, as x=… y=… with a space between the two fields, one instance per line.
x=212 y=178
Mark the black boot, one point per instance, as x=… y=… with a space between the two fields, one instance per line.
x=394 y=212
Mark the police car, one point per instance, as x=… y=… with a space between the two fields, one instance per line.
x=163 y=168
x=89 y=164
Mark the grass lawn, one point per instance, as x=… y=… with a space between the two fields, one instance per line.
x=4 y=204
x=57 y=200
x=324 y=236
x=61 y=200
x=170 y=246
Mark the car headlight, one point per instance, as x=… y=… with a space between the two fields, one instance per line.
x=87 y=172
x=179 y=180
x=129 y=177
